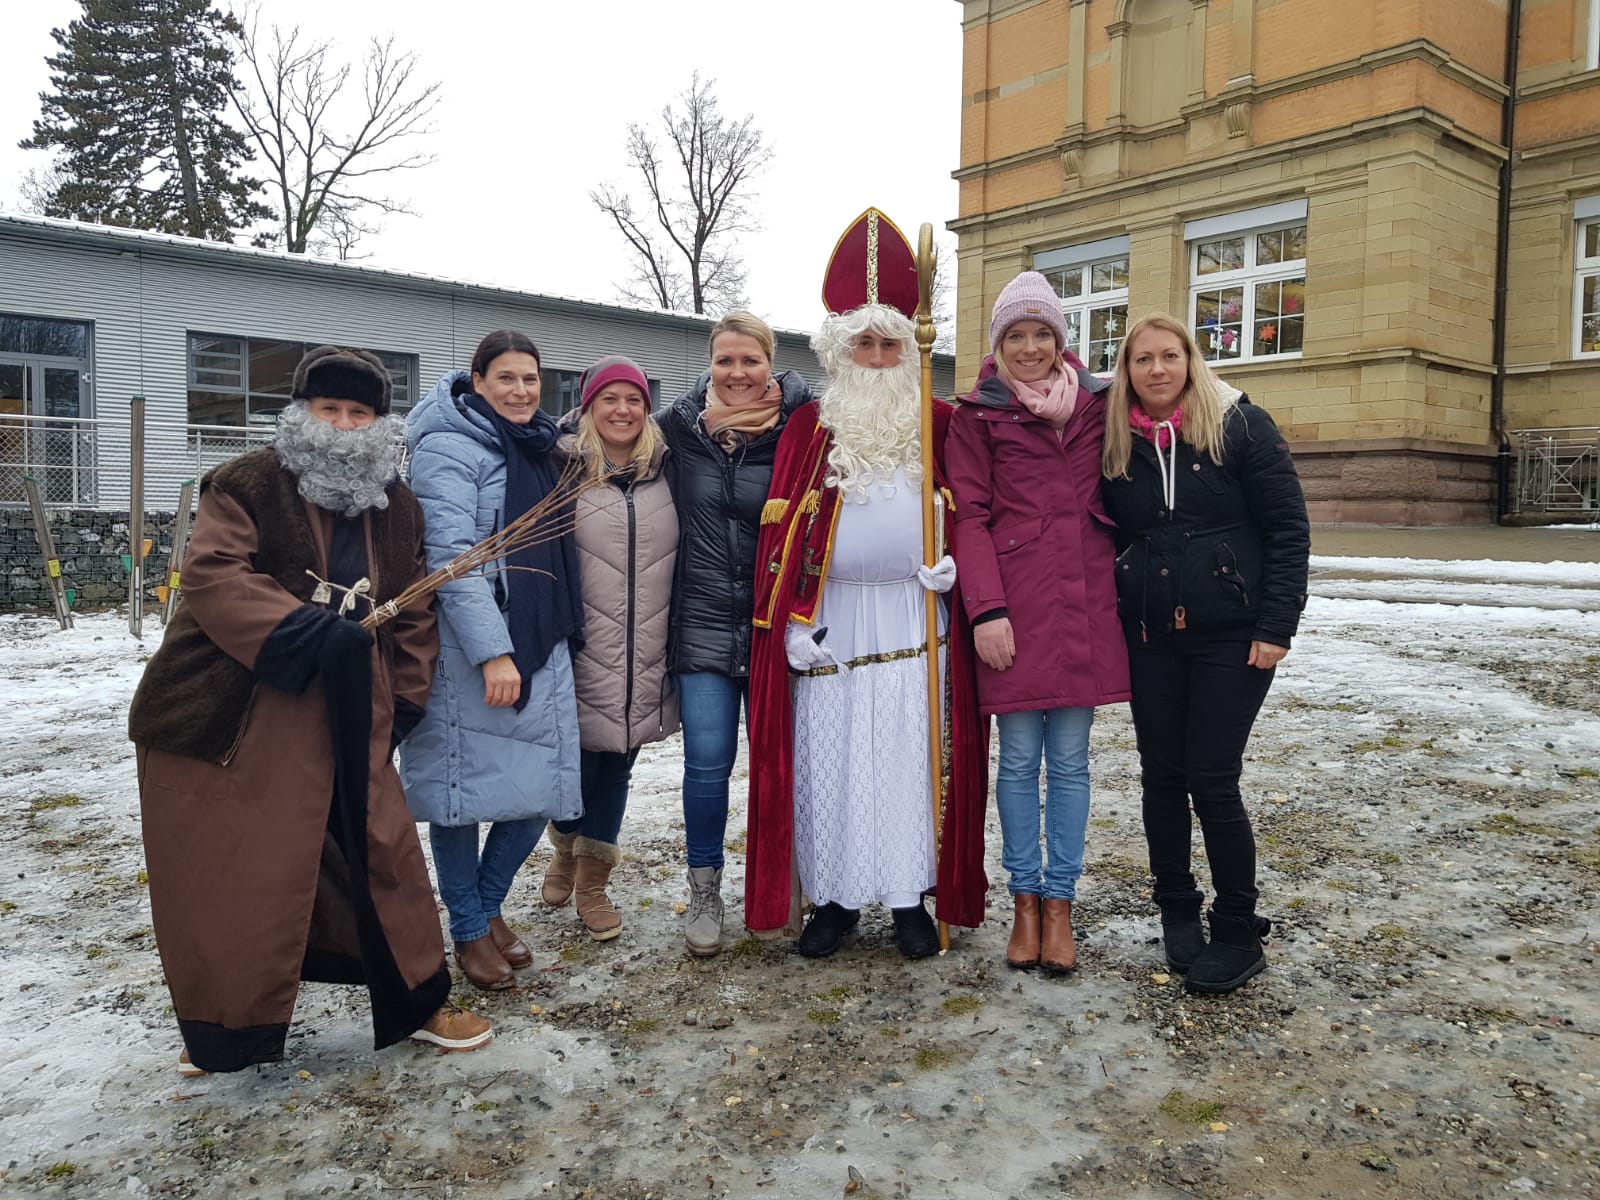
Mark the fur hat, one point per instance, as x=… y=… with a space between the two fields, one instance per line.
x=337 y=374
x=614 y=368
x=1028 y=297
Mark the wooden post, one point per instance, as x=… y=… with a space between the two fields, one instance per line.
x=47 y=546
x=180 y=543
x=136 y=517
x=932 y=513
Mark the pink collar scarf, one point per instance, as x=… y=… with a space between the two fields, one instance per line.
x=1145 y=427
x=1053 y=403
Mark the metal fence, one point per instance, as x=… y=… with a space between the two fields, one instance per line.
x=1558 y=470
x=84 y=463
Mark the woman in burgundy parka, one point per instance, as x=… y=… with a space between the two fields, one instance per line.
x=1034 y=555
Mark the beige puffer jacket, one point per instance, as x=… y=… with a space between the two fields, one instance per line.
x=627 y=549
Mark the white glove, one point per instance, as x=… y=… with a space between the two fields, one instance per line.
x=940 y=577
x=805 y=653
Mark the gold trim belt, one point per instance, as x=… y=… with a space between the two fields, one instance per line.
x=867 y=660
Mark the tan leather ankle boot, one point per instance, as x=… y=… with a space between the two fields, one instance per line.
x=1058 y=951
x=559 y=876
x=595 y=910
x=1022 y=951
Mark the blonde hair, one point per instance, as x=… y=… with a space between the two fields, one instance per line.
x=593 y=449
x=748 y=324
x=1201 y=400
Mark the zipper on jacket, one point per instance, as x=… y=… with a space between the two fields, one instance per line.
x=244 y=723
x=1180 y=616
x=627 y=702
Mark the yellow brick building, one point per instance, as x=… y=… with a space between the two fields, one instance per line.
x=1324 y=191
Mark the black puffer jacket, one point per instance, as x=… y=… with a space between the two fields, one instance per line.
x=1234 y=551
x=719 y=498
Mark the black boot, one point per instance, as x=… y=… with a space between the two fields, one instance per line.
x=826 y=929
x=915 y=932
x=1233 y=956
x=1183 y=937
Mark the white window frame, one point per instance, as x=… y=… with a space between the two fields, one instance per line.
x=1592 y=61
x=1585 y=267
x=1246 y=278
x=1083 y=259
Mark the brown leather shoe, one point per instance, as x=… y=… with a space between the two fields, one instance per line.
x=512 y=948
x=1022 y=951
x=480 y=961
x=1058 y=952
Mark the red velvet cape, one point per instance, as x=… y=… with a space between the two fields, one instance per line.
x=791 y=565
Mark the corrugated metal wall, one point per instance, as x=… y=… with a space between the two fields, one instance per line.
x=144 y=298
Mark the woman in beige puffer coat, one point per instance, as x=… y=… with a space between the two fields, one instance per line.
x=627 y=535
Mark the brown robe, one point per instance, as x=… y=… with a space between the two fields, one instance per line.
x=250 y=889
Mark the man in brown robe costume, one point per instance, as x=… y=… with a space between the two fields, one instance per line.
x=276 y=834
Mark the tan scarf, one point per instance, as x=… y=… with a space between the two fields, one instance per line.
x=730 y=426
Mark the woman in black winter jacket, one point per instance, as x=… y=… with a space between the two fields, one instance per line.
x=722 y=437
x=1211 y=579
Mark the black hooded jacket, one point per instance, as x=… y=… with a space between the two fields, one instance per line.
x=719 y=497
x=1234 y=550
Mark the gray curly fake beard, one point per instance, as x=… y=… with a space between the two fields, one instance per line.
x=341 y=470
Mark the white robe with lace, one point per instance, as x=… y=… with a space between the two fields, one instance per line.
x=863 y=824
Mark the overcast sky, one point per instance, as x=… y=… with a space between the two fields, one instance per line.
x=860 y=99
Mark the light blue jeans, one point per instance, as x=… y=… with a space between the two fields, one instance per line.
x=1060 y=738
x=474 y=886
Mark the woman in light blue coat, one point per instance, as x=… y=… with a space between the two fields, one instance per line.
x=499 y=741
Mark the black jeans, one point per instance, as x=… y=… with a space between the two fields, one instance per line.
x=1195 y=698
x=604 y=779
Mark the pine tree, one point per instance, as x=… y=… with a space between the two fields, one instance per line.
x=136 y=115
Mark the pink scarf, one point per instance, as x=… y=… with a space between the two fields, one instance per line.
x=1145 y=427
x=1054 y=402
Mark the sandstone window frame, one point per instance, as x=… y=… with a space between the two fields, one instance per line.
x=1091 y=280
x=1247 y=283
x=1586 y=280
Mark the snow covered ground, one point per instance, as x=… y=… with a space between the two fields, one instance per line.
x=1426 y=782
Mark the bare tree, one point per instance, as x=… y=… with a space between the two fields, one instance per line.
x=697 y=199
x=944 y=296
x=323 y=169
x=38 y=187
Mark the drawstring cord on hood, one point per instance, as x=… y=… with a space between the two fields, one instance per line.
x=1168 y=466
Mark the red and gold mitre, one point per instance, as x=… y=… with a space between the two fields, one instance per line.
x=872 y=263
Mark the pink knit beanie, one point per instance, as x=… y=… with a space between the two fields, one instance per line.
x=1028 y=297
x=614 y=368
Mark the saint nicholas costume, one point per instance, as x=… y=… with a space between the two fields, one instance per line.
x=840 y=801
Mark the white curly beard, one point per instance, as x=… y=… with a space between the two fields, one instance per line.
x=875 y=416
x=342 y=470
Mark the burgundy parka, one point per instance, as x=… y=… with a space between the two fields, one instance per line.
x=1034 y=541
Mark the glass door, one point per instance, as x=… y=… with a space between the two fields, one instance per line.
x=68 y=449
x=16 y=380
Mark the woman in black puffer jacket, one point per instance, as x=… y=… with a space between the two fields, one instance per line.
x=1211 y=579
x=722 y=437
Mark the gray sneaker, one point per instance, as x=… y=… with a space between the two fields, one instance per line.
x=702 y=932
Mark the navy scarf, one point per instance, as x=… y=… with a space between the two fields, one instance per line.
x=544 y=605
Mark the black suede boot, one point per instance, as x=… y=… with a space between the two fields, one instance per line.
x=1233 y=956
x=914 y=932
x=1183 y=937
x=826 y=929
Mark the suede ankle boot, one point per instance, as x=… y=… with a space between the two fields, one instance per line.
x=1233 y=955
x=1022 y=951
x=561 y=875
x=481 y=962
x=1058 y=950
x=1183 y=937
x=702 y=928
x=594 y=862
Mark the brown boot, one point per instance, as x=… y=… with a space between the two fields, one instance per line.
x=512 y=948
x=559 y=875
x=1022 y=951
x=481 y=963
x=595 y=861
x=1057 y=951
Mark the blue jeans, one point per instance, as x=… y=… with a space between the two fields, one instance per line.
x=605 y=776
x=709 y=702
x=1060 y=736
x=474 y=886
